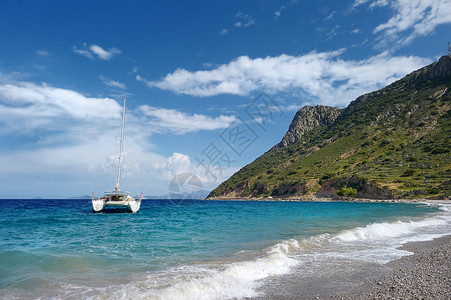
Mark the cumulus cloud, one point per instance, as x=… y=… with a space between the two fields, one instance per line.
x=320 y=76
x=28 y=103
x=95 y=50
x=411 y=19
x=179 y=164
x=174 y=165
x=177 y=122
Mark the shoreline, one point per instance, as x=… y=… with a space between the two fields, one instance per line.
x=356 y=200
x=426 y=274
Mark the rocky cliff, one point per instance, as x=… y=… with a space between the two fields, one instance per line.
x=306 y=120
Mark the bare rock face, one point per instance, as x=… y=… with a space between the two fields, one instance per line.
x=440 y=68
x=307 y=119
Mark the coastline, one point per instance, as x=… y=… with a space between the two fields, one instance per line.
x=321 y=199
x=426 y=274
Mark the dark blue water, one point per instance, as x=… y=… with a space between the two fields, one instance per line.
x=192 y=249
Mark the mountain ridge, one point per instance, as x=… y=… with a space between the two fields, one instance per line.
x=390 y=143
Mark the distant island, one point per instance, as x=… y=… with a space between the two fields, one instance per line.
x=80 y=197
x=389 y=144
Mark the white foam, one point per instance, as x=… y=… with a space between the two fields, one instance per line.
x=388 y=230
x=441 y=206
x=444 y=207
x=220 y=281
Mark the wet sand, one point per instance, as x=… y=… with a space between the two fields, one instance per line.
x=424 y=275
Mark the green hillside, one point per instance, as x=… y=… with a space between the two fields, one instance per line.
x=392 y=143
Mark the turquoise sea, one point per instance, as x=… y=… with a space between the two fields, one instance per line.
x=60 y=249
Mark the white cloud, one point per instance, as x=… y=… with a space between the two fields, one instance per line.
x=175 y=164
x=39 y=67
x=103 y=54
x=141 y=79
x=177 y=122
x=179 y=163
x=112 y=83
x=321 y=76
x=96 y=50
x=330 y=16
x=83 y=52
x=42 y=53
x=244 y=20
x=278 y=12
x=134 y=70
x=25 y=101
x=360 y=2
x=411 y=19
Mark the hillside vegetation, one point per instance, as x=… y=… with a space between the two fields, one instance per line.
x=392 y=143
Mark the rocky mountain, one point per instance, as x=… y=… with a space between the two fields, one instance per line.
x=391 y=143
x=307 y=119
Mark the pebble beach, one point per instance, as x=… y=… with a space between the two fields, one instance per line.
x=424 y=275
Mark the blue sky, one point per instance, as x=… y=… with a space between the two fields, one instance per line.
x=210 y=85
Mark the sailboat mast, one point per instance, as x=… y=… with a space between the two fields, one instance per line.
x=120 y=150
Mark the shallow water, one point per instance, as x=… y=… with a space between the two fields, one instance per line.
x=201 y=249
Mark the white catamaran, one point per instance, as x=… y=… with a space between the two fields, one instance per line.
x=117 y=198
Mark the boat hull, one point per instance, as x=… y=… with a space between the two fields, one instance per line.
x=131 y=204
x=98 y=205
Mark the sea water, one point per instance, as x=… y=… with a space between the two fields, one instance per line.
x=189 y=249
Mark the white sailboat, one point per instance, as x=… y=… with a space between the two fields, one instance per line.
x=117 y=198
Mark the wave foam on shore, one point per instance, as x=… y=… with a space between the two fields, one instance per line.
x=375 y=243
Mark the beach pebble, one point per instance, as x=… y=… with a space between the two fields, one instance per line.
x=424 y=275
